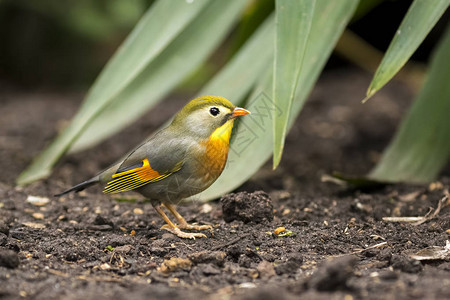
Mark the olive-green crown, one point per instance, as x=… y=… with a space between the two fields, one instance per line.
x=201 y=102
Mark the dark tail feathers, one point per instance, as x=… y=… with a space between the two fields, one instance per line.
x=80 y=186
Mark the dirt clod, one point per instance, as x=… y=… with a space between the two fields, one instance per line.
x=100 y=220
x=333 y=274
x=72 y=256
x=247 y=207
x=266 y=293
x=289 y=267
x=266 y=269
x=384 y=254
x=209 y=269
x=388 y=275
x=3 y=239
x=123 y=249
x=234 y=252
x=4 y=228
x=205 y=257
x=175 y=264
x=9 y=259
x=406 y=264
x=296 y=258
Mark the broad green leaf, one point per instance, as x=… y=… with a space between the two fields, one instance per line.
x=165 y=72
x=239 y=76
x=420 y=19
x=421 y=147
x=252 y=143
x=144 y=43
x=156 y=30
x=242 y=72
x=293 y=23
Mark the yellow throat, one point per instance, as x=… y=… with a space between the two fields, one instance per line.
x=223 y=133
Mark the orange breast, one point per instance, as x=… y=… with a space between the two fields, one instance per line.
x=215 y=159
x=216 y=152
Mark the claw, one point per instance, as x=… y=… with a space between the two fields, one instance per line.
x=175 y=229
x=195 y=227
x=182 y=234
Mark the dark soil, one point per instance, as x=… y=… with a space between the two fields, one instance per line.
x=336 y=244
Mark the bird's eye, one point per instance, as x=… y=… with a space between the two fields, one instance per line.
x=214 y=111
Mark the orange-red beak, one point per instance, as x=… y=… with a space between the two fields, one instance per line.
x=237 y=112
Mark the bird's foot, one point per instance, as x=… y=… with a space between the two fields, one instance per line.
x=195 y=227
x=182 y=234
x=190 y=226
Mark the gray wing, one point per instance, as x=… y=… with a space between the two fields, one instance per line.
x=154 y=160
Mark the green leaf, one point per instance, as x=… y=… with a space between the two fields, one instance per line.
x=420 y=19
x=241 y=73
x=178 y=60
x=125 y=74
x=287 y=233
x=144 y=43
x=293 y=23
x=252 y=143
x=421 y=147
x=358 y=182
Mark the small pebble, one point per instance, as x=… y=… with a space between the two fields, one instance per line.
x=38 y=201
x=38 y=216
x=105 y=266
x=34 y=225
x=138 y=211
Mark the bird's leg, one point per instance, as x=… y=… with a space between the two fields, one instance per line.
x=182 y=222
x=173 y=228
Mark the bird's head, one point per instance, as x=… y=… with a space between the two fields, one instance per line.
x=208 y=116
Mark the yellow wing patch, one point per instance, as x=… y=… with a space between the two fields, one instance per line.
x=135 y=178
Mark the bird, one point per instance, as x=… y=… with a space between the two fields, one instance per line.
x=179 y=161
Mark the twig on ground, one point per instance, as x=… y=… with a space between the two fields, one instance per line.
x=100 y=279
x=230 y=242
x=442 y=203
x=186 y=245
x=86 y=278
x=429 y=216
x=362 y=250
x=403 y=219
x=57 y=273
x=368 y=248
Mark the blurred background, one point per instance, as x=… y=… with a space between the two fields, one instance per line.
x=63 y=44
x=51 y=51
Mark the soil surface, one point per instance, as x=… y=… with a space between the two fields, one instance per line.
x=336 y=244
